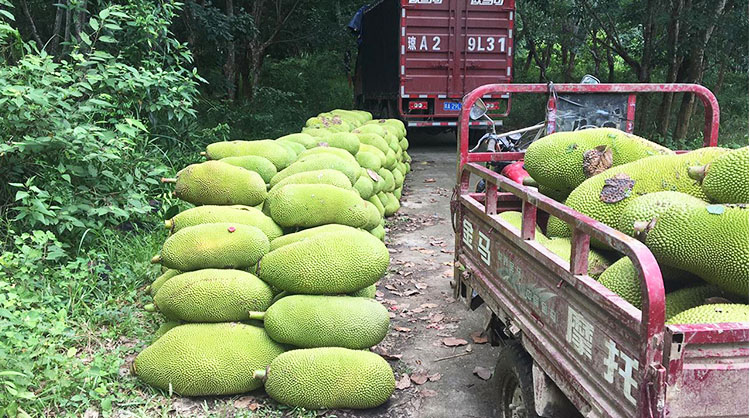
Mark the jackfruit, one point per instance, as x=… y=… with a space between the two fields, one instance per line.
x=598 y=262
x=159 y=281
x=309 y=233
x=260 y=165
x=391 y=122
x=650 y=206
x=245 y=215
x=374 y=140
x=329 y=378
x=369 y=160
x=217 y=245
x=309 y=321
x=320 y=134
x=308 y=141
x=710 y=241
x=392 y=142
x=332 y=263
x=390 y=182
x=515 y=219
x=344 y=140
x=397 y=193
x=207 y=359
x=365 y=292
x=373 y=129
x=338 y=152
x=554 y=194
x=563 y=160
x=266 y=148
x=163 y=328
x=393 y=204
x=364 y=115
x=308 y=205
x=333 y=124
x=319 y=162
x=378 y=232
x=383 y=199
x=375 y=151
x=373 y=216
x=378 y=204
x=398 y=178
x=725 y=179
x=218 y=183
x=350 y=115
x=605 y=195
x=404 y=144
x=213 y=295
x=687 y=298
x=325 y=176
x=712 y=314
x=390 y=160
x=364 y=186
x=622 y=279
x=295 y=147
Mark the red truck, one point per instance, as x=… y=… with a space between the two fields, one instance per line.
x=571 y=347
x=418 y=58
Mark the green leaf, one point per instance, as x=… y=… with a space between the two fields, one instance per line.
x=94 y=24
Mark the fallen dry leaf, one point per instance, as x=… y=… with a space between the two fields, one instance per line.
x=411 y=292
x=428 y=305
x=437 y=318
x=482 y=372
x=454 y=342
x=390 y=287
x=429 y=180
x=428 y=393
x=419 y=378
x=435 y=377
x=91 y=412
x=404 y=382
x=402 y=329
x=246 y=402
x=420 y=286
x=469 y=348
x=478 y=338
x=382 y=352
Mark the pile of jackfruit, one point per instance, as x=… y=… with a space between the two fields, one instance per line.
x=690 y=209
x=269 y=280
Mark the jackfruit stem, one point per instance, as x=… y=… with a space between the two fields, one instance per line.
x=261 y=374
x=168 y=224
x=168 y=180
x=529 y=181
x=204 y=153
x=147 y=289
x=150 y=307
x=697 y=172
x=640 y=226
x=256 y=315
x=156 y=259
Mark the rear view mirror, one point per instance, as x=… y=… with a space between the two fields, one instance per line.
x=478 y=110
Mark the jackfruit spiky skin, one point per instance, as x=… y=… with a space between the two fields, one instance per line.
x=374 y=140
x=330 y=378
x=338 y=152
x=218 y=183
x=369 y=160
x=726 y=179
x=213 y=295
x=557 y=160
x=353 y=118
x=391 y=122
x=554 y=194
x=308 y=205
x=207 y=359
x=216 y=245
x=325 y=176
x=295 y=147
x=309 y=233
x=308 y=141
x=397 y=193
x=344 y=140
x=383 y=198
x=375 y=151
x=378 y=232
x=390 y=160
x=392 y=141
x=710 y=241
x=392 y=206
x=650 y=206
x=207 y=214
x=320 y=134
x=266 y=148
x=373 y=216
x=378 y=204
x=163 y=328
x=366 y=292
x=333 y=124
x=390 y=182
x=364 y=186
x=260 y=165
x=332 y=263
x=712 y=314
x=404 y=144
x=371 y=129
x=687 y=298
x=652 y=174
x=598 y=263
x=309 y=321
x=159 y=281
x=515 y=218
x=319 y=162
x=398 y=178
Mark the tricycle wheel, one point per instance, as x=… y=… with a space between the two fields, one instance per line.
x=514 y=382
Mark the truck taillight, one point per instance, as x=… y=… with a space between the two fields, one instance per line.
x=417 y=105
x=492 y=105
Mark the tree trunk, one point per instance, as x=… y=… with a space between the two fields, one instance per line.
x=78 y=21
x=68 y=21
x=696 y=71
x=54 y=43
x=610 y=66
x=34 y=32
x=673 y=35
x=571 y=65
x=596 y=56
x=720 y=77
x=230 y=69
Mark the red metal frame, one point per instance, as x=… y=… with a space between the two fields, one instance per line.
x=710 y=104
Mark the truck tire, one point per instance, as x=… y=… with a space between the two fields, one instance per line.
x=514 y=382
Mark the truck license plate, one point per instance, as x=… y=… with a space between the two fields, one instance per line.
x=452 y=106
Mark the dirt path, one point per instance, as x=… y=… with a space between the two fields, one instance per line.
x=425 y=317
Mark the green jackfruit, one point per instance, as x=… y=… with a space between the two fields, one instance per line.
x=375 y=151
x=373 y=216
x=687 y=298
x=163 y=328
x=333 y=124
x=404 y=144
x=207 y=359
x=710 y=241
x=391 y=122
x=308 y=141
x=245 y=215
x=213 y=295
x=332 y=263
x=622 y=279
x=378 y=232
x=563 y=160
x=650 y=206
x=260 y=165
x=712 y=314
x=364 y=115
x=397 y=193
x=266 y=148
x=295 y=147
x=554 y=194
x=383 y=198
x=217 y=245
x=364 y=186
x=371 y=129
x=390 y=160
x=350 y=115
x=325 y=176
x=320 y=134
x=159 y=281
x=392 y=141
x=369 y=160
x=605 y=195
x=598 y=262
x=390 y=182
x=378 y=204
x=309 y=321
x=218 y=183
x=309 y=233
x=365 y=292
x=398 y=178
x=319 y=162
x=392 y=206
x=344 y=140
x=725 y=180
x=329 y=378
x=338 y=152
x=515 y=219
x=308 y=205
x=374 y=140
